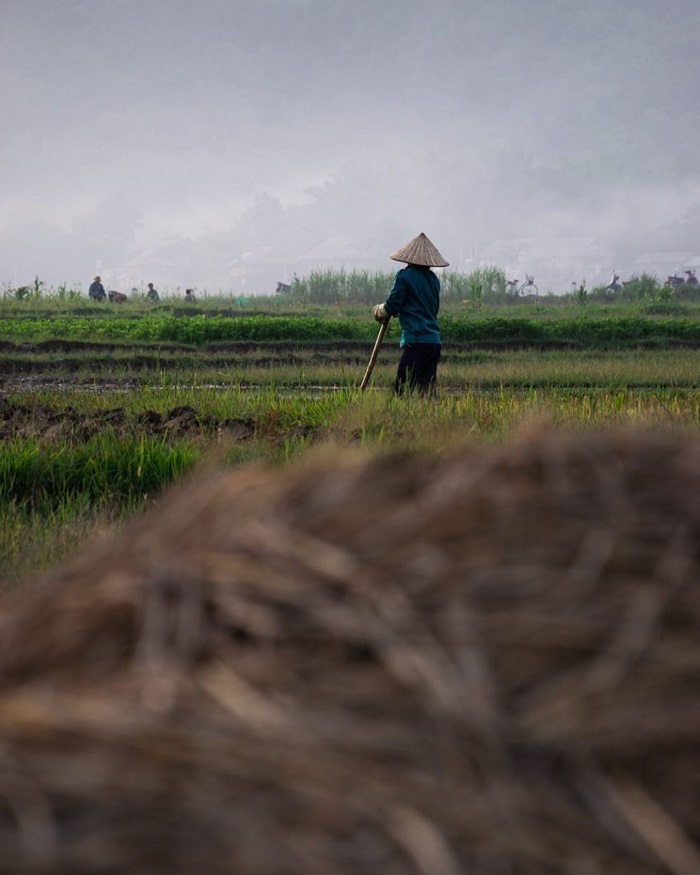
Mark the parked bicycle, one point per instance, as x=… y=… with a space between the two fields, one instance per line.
x=528 y=287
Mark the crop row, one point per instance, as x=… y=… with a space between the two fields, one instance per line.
x=200 y=330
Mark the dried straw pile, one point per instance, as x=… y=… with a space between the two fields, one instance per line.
x=485 y=663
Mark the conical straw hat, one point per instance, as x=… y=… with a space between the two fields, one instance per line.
x=420 y=251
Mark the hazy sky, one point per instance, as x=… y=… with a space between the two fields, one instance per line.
x=125 y=122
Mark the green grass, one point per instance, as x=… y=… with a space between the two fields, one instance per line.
x=289 y=374
x=54 y=496
x=43 y=477
x=31 y=542
x=55 y=493
x=651 y=369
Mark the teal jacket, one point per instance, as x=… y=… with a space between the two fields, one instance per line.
x=415 y=299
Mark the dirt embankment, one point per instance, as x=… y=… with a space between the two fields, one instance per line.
x=46 y=423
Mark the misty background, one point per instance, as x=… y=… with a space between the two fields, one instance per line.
x=228 y=144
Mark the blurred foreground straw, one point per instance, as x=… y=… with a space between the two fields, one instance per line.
x=479 y=662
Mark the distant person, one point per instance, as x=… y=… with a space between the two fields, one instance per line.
x=614 y=285
x=97 y=290
x=151 y=294
x=415 y=299
x=190 y=297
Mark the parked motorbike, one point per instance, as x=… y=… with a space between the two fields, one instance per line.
x=676 y=281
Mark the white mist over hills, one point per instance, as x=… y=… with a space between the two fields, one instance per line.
x=226 y=143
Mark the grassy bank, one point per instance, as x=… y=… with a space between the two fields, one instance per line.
x=59 y=485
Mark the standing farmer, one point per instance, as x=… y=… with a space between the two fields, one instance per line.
x=97 y=290
x=415 y=299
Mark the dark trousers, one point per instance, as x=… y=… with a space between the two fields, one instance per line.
x=418 y=368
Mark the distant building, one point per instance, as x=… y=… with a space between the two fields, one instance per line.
x=147 y=266
x=555 y=262
x=665 y=263
x=341 y=252
x=257 y=272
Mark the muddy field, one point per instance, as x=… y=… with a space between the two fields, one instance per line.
x=18 y=359
x=40 y=382
x=65 y=367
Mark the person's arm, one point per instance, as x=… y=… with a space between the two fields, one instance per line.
x=397 y=296
x=395 y=302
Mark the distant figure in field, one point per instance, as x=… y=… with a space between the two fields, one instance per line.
x=151 y=294
x=190 y=296
x=116 y=297
x=614 y=285
x=97 y=290
x=415 y=299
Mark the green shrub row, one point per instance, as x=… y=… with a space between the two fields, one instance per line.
x=579 y=331
x=195 y=330
x=199 y=330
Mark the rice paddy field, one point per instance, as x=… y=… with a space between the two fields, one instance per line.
x=104 y=407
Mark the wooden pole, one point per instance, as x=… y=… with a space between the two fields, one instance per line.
x=373 y=357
